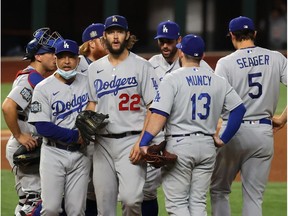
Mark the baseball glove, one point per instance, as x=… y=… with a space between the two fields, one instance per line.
x=157 y=156
x=89 y=123
x=24 y=158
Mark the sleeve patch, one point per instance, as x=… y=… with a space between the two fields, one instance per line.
x=26 y=94
x=36 y=107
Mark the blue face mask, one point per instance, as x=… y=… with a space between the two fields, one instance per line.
x=67 y=74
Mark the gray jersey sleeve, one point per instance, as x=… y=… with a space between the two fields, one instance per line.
x=194 y=99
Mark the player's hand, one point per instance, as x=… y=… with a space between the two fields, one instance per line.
x=277 y=124
x=135 y=154
x=217 y=141
x=27 y=140
x=143 y=150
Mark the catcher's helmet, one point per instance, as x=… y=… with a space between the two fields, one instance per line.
x=42 y=43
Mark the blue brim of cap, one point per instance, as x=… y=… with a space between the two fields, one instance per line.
x=115 y=25
x=166 y=37
x=179 y=46
x=44 y=50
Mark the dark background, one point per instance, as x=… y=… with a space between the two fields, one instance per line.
x=70 y=17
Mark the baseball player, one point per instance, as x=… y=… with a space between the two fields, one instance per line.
x=64 y=167
x=168 y=35
x=92 y=48
x=122 y=85
x=255 y=73
x=90 y=51
x=189 y=102
x=15 y=109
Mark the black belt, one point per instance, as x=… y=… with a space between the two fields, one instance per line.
x=68 y=147
x=261 y=121
x=190 y=134
x=121 y=135
x=22 y=117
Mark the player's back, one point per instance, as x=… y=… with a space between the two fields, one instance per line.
x=255 y=73
x=199 y=97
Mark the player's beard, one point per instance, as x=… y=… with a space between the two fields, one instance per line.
x=170 y=57
x=116 y=51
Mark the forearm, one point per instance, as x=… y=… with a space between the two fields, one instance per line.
x=91 y=106
x=155 y=124
x=9 y=109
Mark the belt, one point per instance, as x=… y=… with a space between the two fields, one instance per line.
x=22 y=117
x=190 y=134
x=261 y=121
x=68 y=147
x=121 y=135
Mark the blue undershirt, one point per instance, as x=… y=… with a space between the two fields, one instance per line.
x=55 y=132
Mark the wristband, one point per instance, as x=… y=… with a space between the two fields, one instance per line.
x=146 y=139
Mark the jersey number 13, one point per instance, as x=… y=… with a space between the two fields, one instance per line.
x=205 y=99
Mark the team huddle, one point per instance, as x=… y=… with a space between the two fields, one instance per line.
x=175 y=98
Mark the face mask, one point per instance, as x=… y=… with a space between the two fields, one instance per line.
x=67 y=74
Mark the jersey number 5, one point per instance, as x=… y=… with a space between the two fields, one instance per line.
x=252 y=83
x=129 y=102
x=206 y=105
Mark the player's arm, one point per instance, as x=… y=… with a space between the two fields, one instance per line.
x=55 y=132
x=279 y=122
x=233 y=124
x=9 y=109
x=155 y=124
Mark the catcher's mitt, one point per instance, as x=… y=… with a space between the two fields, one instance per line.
x=89 y=123
x=157 y=156
x=23 y=157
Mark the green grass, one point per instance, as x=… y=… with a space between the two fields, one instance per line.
x=275 y=198
x=6 y=87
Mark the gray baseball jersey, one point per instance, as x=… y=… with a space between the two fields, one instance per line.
x=83 y=64
x=162 y=67
x=194 y=98
x=61 y=170
x=255 y=73
x=123 y=92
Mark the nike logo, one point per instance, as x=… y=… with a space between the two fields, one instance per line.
x=179 y=140
x=156 y=67
x=83 y=70
x=99 y=71
x=55 y=93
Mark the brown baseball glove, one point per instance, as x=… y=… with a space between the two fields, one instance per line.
x=157 y=156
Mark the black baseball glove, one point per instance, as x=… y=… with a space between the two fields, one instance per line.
x=89 y=123
x=157 y=156
x=24 y=158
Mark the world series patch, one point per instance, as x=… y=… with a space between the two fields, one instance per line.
x=26 y=94
x=36 y=107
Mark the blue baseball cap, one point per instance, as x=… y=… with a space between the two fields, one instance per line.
x=116 y=20
x=192 y=45
x=169 y=30
x=241 y=23
x=95 y=30
x=67 y=45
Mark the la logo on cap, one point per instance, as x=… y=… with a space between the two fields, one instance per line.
x=165 y=29
x=114 y=19
x=66 y=45
x=93 y=34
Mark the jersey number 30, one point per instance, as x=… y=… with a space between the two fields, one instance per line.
x=203 y=97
